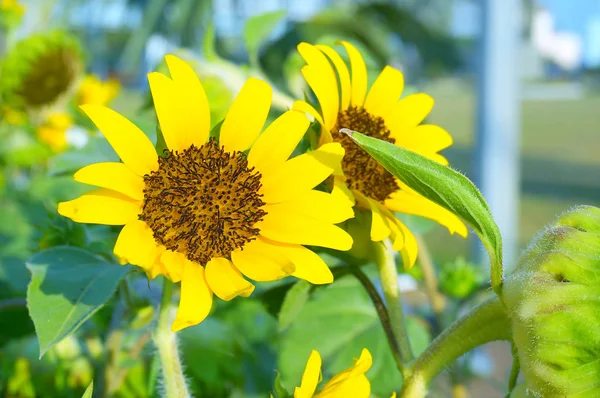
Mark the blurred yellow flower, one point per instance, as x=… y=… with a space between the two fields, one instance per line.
x=94 y=91
x=12 y=6
x=54 y=131
x=352 y=382
x=13 y=116
x=381 y=114
x=205 y=213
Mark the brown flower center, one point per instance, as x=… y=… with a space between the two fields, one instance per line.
x=51 y=75
x=203 y=202
x=362 y=172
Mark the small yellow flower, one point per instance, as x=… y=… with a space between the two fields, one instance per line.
x=12 y=6
x=94 y=91
x=380 y=114
x=54 y=131
x=352 y=382
x=205 y=213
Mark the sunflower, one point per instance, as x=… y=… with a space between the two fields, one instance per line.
x=93 y=90
x=53 y=132
x=344 y=103
x=352 y=382
x=207 y=212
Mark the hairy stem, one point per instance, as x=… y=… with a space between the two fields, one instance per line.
x=391 y=292
x=166 y=343
x=382 y=312
x=485 y=323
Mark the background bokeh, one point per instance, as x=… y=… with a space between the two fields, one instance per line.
x=440 y=45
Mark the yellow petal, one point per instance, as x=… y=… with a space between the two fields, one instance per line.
x=259 y=261
x=413 y=203
x=342 y=192
x=225 y=280
x=404 y=242
x=193 y=99
x=247 y=115
x=275 y=145
x=174 y=263
x=196 y=297
x=101 y=206
x=302 y=173
x=112 y=175
x=305 y=107
x=385 y=92
x=303 y=230
x=328 y=100
x=409 y=112
x=352 y=381
x=342 y=72
x=359 y=74
x=426 y=139
x=128 y=141
x=380 y=228
x=136 y=245
x=315 y=204
x=177 y=123
x=309 y=266
x=310 y=378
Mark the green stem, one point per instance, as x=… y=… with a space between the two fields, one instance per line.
x=166 y=343
x=391 y=292
x=485 y=323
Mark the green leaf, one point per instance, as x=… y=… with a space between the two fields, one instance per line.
x=339 y=320
x=68 y=285
x=294 y=300
x=278 y=388
x=210 y=53
x=257 y=30
x=444 y=186
x=88 y=392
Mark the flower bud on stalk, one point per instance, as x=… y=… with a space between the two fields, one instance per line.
x=554 y=300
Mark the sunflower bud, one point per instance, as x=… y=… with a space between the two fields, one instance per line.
x=554 y=300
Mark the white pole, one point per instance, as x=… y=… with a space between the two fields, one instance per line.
x=498 y=118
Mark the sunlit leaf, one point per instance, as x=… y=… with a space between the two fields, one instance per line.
x=294 y=300
x=257 y=30
x=444 y=186
x=68 y=285
x=88 y=392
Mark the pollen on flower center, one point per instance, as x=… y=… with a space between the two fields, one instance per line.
x=203 y=202
x=362 y=172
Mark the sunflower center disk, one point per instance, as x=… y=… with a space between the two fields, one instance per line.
x=50 y=76
x=203 y=202
x=362 y=172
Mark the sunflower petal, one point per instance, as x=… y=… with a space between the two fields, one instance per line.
x=101 y=206
x=305 y=107
x=359 y=74
x=315 y=204
x=174 y=263
x=193 y=99
x=275 y=145
x=302 y=173
x=136 y=245
x=225 y=280
x=309 y=265
x=385 y=92
x=128 y=141
x=259 y=261
x=303 y=230
x=343 y=74
x=409 y=112
x=409 y=250
x=310 y=378
x=426 y=139
x=112 y=175
x=380 y=228
x=328 y=100
x=247 y=115
x=196 y=297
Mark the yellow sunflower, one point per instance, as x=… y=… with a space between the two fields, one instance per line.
x=205 y=213
x=93 y=90
x=352 y=382
x=380 y=113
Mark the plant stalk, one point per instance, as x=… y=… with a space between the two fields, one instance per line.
x=391 y=292
x=485 y=323
x=174 y=383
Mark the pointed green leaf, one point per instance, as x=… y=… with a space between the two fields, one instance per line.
x=88 y=392
x=444 y=186
x=68 y=285
x=257 y=30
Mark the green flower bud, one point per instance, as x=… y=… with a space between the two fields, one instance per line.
x=459 y=278
x=554 y=301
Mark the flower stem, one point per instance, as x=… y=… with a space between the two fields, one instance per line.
x=485 y=323
x=173 y=379
x=391 y=292
x=431 y=283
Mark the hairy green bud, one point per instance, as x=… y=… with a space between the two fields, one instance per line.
x=554 y=301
